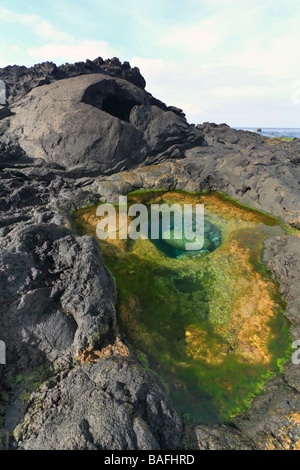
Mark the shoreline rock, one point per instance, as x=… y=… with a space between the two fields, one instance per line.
x=57 y=296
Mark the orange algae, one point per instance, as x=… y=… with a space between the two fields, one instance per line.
x=211 y=326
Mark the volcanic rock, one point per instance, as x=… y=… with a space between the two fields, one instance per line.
x=70 y=136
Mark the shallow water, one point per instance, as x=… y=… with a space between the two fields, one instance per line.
x=209 y=323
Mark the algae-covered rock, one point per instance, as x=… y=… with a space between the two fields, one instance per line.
x=62 y=131
x=209 y=321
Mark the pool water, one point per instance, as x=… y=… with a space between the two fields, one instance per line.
x=210 y=322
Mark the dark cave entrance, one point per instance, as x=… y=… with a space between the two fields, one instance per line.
x=118 y=107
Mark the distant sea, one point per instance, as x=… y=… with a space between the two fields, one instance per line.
x=273 y=131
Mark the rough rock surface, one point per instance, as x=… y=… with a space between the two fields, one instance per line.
x=56 y=294
x=20 y=80
x=101 y=123
x=113 y=404
x=71 y=381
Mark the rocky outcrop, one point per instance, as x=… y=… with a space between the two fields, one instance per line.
x=258 y=177
x=113 y=404
x=57 y=307
x=58 y=298
x=21 y=80
x=97 y=124
x=66 y=137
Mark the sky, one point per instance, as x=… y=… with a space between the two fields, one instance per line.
x=220 y=61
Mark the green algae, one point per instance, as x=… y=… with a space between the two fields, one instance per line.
x=211 y=326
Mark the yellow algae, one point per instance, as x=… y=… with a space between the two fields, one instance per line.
x=92 y=355
x=210 y=324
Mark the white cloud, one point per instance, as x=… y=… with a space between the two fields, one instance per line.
x=39 y=26
x=225 y=61
x=276 y=59
x=46 y=30
x=176 y=84
x=201 y=37
x=12 y=17
x=237 y=65
x=60 y=47
x=244 y=91
x=212 y=92
x=73 y=52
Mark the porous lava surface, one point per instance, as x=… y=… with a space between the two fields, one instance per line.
x=69 y=137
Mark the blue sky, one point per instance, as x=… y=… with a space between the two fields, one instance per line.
x=220 y=60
